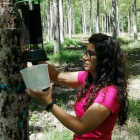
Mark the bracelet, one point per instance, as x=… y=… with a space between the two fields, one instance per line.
x=49 y=106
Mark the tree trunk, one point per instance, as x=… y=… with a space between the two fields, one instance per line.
x=90 y=26
x=135 y=22
x=73 y=25
x=107 y=24
x=97 y=18
x=65 y=26
x=106 y=28
x=13 y=100
x=69 y=18
x=102 y=23
x=43 y=14
x=114 y=19
x=56 y=27
x=61 y=21
x=117 y=10
x=49 y=21
x=122 y=24
x=81 y=22
x=84 y=18
x=128 y=22
x=132 y=21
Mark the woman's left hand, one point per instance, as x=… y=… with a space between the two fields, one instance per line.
x=43 y=98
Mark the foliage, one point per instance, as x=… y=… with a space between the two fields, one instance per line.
x=69 y=42
x=129 y=45
x=34 y=116
x=134 y=109
x=66 y=56
x=123 y=41
x=124 y=7
x=49 y=46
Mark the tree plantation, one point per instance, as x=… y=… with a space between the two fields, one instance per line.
x=90 y=16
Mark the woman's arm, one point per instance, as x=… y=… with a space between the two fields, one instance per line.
x=68 y=79
x=92 y=118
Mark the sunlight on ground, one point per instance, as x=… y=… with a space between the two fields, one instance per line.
x=134 y=88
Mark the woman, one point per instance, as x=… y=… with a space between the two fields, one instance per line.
x=102 y=93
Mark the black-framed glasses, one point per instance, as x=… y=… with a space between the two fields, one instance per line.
x=89 y=54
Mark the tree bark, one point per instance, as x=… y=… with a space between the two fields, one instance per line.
x=106 y=30
x=107 y=20
x=65 y=26
x=97 y=18
x=73 y=25
x=122 y=24
x=128 y=22
x=61 y=21
x=69 y=18
x=13 y=100
x=135 y=22
x=109 y=23
x=49 y=21
x=43 y=15
x=56 y=27
x=117 y=10
x=132 y=21
x=84 y=18
x=91 y=19
x=114 y=19
x=102 y=23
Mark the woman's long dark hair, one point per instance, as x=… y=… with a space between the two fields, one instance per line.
x=110 y=69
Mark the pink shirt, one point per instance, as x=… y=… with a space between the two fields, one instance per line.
x=106 y=97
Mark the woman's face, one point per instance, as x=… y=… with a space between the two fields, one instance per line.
x=90 y=59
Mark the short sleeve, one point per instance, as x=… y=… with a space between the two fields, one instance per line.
x=81 y=77
x=108 y=97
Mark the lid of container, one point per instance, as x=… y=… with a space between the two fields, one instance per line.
x=34 y=55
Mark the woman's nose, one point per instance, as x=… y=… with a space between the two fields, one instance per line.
x=84 y=57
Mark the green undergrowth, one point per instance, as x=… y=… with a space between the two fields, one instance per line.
x=66 y=56
x=134 y=109
x=68 y=51
x=130 y=46
x=64 y=134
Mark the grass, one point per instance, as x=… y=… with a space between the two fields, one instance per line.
x=70 y=42
x=66 y=56
x=130 y=46
x=64 y=134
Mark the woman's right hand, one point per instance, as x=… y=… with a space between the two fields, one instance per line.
x=43 y=98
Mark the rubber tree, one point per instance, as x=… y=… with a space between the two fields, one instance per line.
x=56 y=27
x=97 y=18
x=70 y=18
x=135 y=20
x=114 y=19
x=13 y=100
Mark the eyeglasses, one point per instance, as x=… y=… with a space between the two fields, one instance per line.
x=89 y=54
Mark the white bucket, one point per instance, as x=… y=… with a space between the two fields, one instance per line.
x=36 y=77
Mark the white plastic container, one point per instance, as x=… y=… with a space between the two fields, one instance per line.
x=36 y=77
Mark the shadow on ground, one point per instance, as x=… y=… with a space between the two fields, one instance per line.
x=133 y=57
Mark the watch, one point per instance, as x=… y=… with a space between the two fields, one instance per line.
x=49 y=106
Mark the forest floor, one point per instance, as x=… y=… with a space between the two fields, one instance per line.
x=43 y=124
